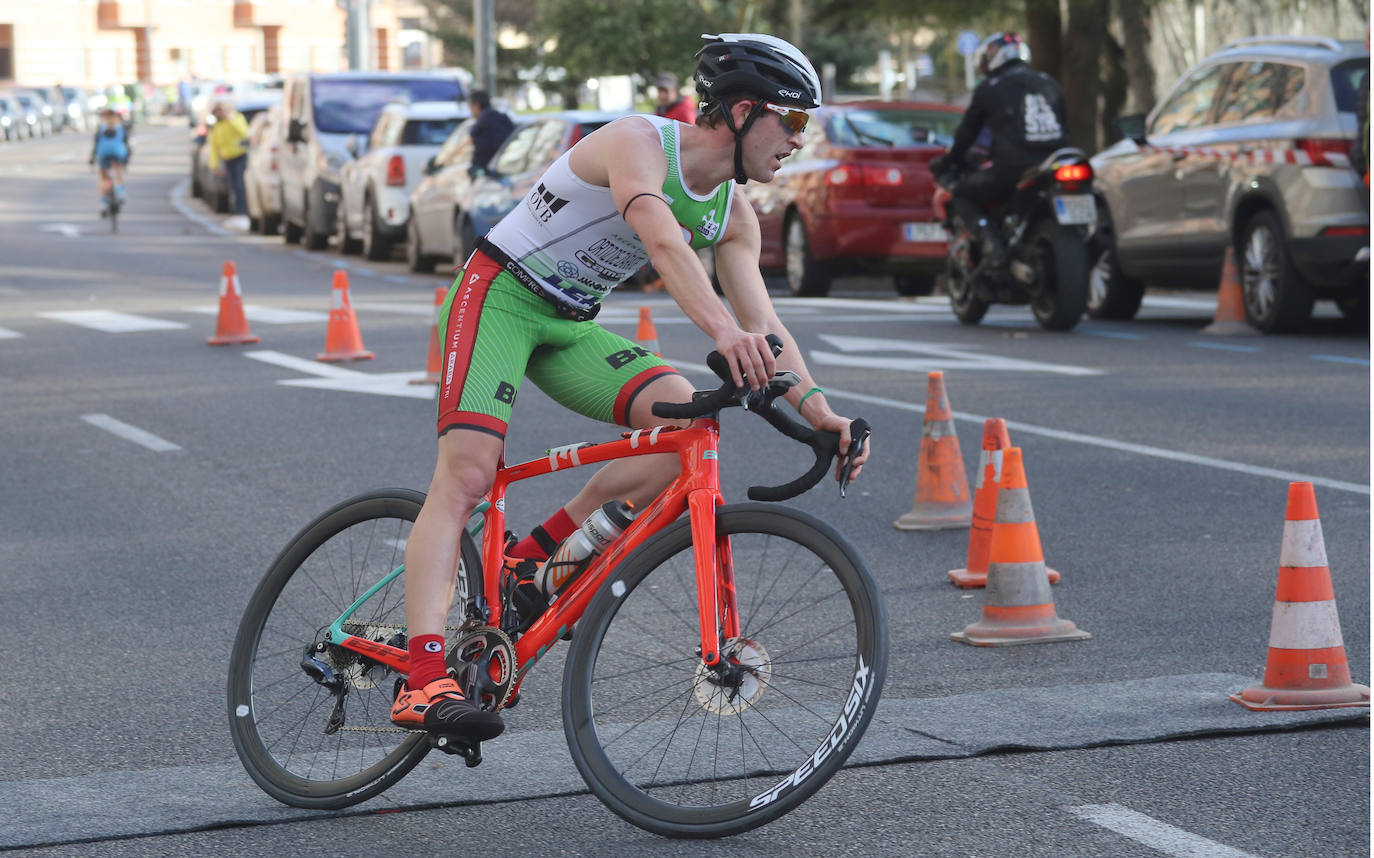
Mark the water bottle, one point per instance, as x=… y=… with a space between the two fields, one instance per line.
x=598 y=531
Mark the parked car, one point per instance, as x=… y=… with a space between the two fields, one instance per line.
x=857 y=197
x=262 y=178
x=1249 y=150
x=516 y=166
x=74 y=106
x=435 y=213
x=12 y=124
x=32 y=114
x=322 y=112
x=48 y=116
x=214 y=189
x=374 y=196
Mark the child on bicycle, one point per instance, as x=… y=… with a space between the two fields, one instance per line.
x=641 y=189
x=111 y=151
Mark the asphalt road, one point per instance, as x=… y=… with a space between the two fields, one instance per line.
x=150 y=479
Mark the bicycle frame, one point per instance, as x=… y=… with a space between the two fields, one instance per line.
x=695 y=489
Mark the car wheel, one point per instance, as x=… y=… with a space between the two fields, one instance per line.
x=196 y=190
x=416 y=260
x=467 y=240
x=291 y=233
x=1277 y=299
x=805 y=276
x=376 y=246
x=1354 y=307
x=912 y=285
x=1111 y=294
x=222 y=202
x=347 y=244
x=312 y=239
x=267 y=224
x=1060 y=259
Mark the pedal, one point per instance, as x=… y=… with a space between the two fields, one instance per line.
x=471 y=752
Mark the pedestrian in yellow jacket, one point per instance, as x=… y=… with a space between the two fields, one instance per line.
x=228 y=142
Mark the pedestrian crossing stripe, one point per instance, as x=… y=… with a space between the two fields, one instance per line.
x=7 y=334
x=111 y=321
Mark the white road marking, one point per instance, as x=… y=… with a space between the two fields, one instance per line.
x=1223 y=347
x=176 y=199
x=268 y=315
x=1090 y=440
x=70 y=230
x=333 y=377
x=1157 y=835
x=130 y=433
x=1340 y=359
x=934 y=356
x=7 y=334
x=111 y=321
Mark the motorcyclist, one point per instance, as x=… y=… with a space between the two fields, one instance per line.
x=1024 y=111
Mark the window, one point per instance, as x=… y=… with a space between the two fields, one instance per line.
x=381 y=132
x=1191 y=104
x=456 y=150
x=892 y=127
x=428 y=132
x=352 y=105
x=1346 y=78
x=546 y=146
x=1256 y=91
x=511 y=157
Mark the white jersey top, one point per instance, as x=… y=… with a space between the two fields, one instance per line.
x=569 y=236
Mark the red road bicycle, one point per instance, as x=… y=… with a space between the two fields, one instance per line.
x=737 y=645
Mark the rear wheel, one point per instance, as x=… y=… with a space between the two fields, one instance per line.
x=290 y=232
x=416 y=260
x=348 y=245
x=466 y=234
x=1111 y=294
x=376 y=246
x=684 y=750
x=1277 y=299
x=312 y=238
x=307 y=744
x=805 y=276
x=1060 y=259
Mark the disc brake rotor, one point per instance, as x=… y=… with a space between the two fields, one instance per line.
x=483 y=662
x=740 y=687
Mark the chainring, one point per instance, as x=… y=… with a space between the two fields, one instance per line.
x=754 y=673
x=483 y=663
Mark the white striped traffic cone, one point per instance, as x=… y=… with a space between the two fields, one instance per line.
x=1306 y=667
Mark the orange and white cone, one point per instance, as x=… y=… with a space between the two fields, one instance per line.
x=231 y=327
x=436 y=358
x=1229 y=318
x=975 y=572
x=647 y=335
x=942 y=495
x=1018 y=607
x=343 y=340
x=1306 y=667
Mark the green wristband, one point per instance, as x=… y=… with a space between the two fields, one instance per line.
x=807 y=396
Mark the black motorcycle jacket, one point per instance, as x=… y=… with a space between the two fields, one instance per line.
x=1024 y=110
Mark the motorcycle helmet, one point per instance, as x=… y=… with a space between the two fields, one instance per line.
x=758 y=65
x=999 y=49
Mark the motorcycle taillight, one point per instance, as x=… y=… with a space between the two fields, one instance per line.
x=1073 y=173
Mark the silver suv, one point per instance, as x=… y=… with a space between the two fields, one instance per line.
x=1250 y=149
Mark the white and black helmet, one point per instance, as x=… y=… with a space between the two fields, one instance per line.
x=999 y=49
x=759 y=65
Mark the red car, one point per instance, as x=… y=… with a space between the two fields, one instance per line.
x=857 y=197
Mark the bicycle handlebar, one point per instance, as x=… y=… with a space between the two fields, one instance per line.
x=824 y=444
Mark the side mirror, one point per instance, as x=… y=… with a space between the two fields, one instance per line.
x=295 y=131
x=351 y=147
x=1132 y=127
x=430 y=167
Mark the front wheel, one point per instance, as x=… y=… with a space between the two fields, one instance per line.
x=1060 y=259
x=311 y=721
x=968 y=308
x=376 y=246
x=679 y=748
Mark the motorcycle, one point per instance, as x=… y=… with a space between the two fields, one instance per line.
x=1045 y=228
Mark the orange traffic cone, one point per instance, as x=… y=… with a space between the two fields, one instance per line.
x=436 y=358
x=647 y=334
x=1017 y=605
x=942 y=496
x=975 y=573
x=1306 y=667
x=1229 y=318
x=231 y=328
x=343 y=340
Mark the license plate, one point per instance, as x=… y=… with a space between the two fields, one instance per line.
x=926 y=232
x=1077 y=208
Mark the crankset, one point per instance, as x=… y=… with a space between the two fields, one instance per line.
x=483 y=663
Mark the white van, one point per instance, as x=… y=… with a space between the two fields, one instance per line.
x=322 y=113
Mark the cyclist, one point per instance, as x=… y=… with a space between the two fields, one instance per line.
x=111 y=150
x=642 y=188
x=1024 y=112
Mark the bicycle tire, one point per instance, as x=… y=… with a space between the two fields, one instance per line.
x=635 y=656
x=277 y=713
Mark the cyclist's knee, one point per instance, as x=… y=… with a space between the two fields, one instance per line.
x=670 y=387
x=466 y=468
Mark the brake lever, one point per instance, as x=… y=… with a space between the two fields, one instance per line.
x=859 y=432
x=781 y=382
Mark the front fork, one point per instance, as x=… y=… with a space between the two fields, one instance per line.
x=717 y=606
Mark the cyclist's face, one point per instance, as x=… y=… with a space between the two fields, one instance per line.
x=773 y=136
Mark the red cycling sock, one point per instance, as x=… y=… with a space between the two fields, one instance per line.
x=426 y=660
x=539 y=545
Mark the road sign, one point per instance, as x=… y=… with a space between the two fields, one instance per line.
x=967 y=43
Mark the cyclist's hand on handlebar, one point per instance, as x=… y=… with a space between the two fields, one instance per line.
x=833 y=422
x=749 y=356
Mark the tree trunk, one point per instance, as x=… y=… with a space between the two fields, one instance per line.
x=1081 y=79
x=1114 y=89
x=1135 y=41
x=1043 y=29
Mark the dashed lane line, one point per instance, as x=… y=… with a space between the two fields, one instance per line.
x=1157 y=835
x=130 y=433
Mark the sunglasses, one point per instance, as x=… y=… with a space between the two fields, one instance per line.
x=793 y=119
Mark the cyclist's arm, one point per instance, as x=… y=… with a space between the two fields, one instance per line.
x=636 y=183
x=737 y=266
